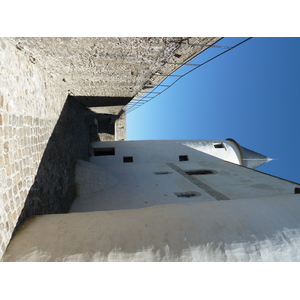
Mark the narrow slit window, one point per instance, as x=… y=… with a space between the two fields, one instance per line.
x=200 y=172
x=162 y=173
x=219 y=145
x=183 y=158
x=127 y=159
x=104 y=151
x=187 y=194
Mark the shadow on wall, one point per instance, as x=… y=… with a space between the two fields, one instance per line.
x=102 y=126
x=54 y=188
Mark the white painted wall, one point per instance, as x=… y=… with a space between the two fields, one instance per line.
x=125 y=212
x=166 y=151
x=235 y=230
x=137 y=185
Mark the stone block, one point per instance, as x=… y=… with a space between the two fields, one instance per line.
x=10 y=193
x=7 y=209
x=3 y=247
x=5 y=199
x=8 y=171
x=6 y=132
x=4 y=119
x=6 y=147
x=2 y=164
x=12 y=205
x=6 y=158
x=15 y=190
x=9 y=182
x=20 y=185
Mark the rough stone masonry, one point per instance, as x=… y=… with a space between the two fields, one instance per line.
x=44 y=131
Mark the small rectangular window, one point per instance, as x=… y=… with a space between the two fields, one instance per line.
x=162 y=173
x=187 y=194
x=219 y=145
x=127 y=159
x=200 y=172
x=104 y=151
x=183 y=158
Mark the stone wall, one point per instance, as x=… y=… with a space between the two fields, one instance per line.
x=44 y=131
x=33 y=115
x=54 y=189
x=109 y=66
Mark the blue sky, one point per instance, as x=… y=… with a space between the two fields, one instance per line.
x=250 y=94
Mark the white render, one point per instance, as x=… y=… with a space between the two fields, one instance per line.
x=131 y=211
x=264 y=229
x=162 y=151
x=136 y=185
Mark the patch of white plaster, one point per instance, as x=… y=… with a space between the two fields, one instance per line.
x=265 y=229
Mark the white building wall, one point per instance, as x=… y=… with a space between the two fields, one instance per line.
x=156 y=176
x=166 y=151
x=137 y=186
x=128 y=212
x=246 y=230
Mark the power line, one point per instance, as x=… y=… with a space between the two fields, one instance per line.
x=147 y=97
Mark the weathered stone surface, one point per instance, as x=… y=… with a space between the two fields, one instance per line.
x=43 y=131
x=19 y=165
x=119 y=67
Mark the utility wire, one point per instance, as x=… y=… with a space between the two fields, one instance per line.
x=137 y=103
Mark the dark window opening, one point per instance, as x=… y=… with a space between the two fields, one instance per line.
x=127 y=159
x=200 y=172
x=104 y=151
x=183 y=158
x=219 y=145
x=162 y=173
x=187 y=194
x=297 y=190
